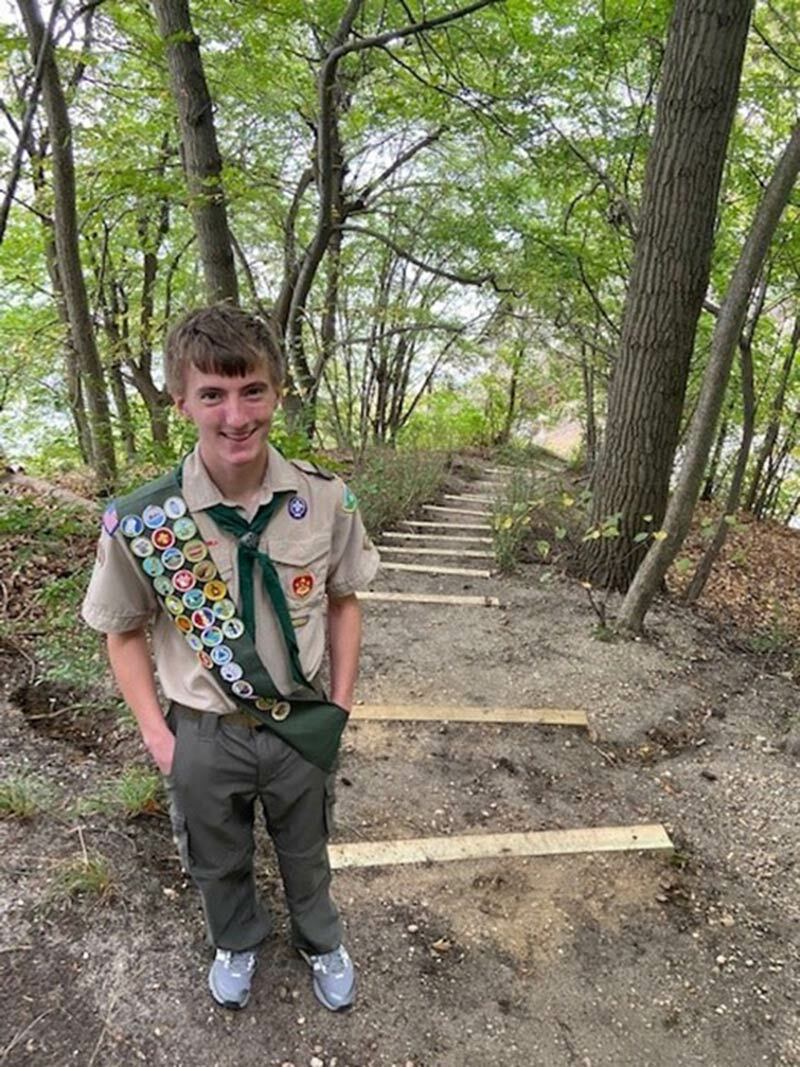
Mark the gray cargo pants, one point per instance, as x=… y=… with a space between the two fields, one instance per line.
x=218 y=773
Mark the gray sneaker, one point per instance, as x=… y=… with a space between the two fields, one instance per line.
x=230 y=977
x=334 y=978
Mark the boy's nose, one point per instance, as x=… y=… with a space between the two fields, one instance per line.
x=235 y=413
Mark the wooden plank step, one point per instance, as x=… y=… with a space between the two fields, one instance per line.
x=436 y=537
x=447 y=525
x=453 y=511
x=444 y=713
x=458 y=553
x=421 y=568
x=462 y=599
x=468 y=498
x=637 y=838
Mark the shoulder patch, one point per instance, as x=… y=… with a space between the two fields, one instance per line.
x=307 y=466
x=349 y=500
x=110 y=520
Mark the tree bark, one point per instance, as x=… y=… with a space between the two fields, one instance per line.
x=696 y=104
x=726 y=335
x=68 y=251
x=773 y=428
x=201 y=159
x=709 y=558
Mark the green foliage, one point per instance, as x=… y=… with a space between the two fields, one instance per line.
x=511 y=520
x=88 y=876
x=138 y=791
x=23 y=796
x=445 y=421
x=390 y=484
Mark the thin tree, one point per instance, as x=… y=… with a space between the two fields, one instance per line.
x=66 y=236
x=201 y=157
x=726 y=335
x=700 y=84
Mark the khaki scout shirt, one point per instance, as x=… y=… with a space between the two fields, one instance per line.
x=325 y=551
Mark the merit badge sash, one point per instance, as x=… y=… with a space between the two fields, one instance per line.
x=162 y=537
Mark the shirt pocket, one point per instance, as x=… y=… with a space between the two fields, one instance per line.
x=302 y=566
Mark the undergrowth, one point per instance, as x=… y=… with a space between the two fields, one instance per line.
x=391 y=484
x=23 y=795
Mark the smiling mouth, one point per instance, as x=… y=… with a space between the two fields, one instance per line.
x=239 y=437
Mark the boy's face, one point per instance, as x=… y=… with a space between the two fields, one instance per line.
x=232 y=414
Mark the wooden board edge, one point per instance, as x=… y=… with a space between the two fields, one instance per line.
x=646 y=837
x=445 y=713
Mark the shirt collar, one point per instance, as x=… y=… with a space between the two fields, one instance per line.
x=200 y=492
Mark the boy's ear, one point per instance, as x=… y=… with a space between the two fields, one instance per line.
x=180 y=405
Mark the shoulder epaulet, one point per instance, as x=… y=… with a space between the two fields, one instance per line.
x=307 y=466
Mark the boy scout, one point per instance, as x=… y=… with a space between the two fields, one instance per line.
x=232 y=563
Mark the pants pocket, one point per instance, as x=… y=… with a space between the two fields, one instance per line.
x=329 y=804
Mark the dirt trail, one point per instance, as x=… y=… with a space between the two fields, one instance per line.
x=596 y=961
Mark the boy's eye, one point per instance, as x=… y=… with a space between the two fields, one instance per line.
x=209 y=395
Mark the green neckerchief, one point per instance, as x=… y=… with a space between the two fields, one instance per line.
x=248 y=535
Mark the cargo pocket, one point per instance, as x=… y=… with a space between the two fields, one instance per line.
x=180 y=836
x=330 y=803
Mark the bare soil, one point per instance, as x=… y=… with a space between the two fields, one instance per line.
x=596 y=961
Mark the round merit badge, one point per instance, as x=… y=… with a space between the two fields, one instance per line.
x=184 y=624
x=173 y=605
x=212 y=636
x=142 y=546
x=153 y=516
x=153 y=566
x=221 y=655
x=297 y=507
x=193 y=599
x=162 y=585
x=215 y=590
x=184 y=529
x=163 y=537
x=302 y=585
x=205 y=570
x=195 y=551
x=242 y=688
x=183 y=580
x=172 y=559
x=233 y=629
x=194 y=642
x=174 y=506
x=131 y=526
x=231 y=672
x=205 y=659
x=202 y=618
x=224 y=609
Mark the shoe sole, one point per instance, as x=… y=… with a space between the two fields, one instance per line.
x=334 y=1007
x=231 y=1005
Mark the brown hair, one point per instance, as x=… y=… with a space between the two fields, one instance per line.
x=220 y=339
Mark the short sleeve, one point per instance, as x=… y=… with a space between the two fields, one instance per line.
x=354 y=559
x=119 y=597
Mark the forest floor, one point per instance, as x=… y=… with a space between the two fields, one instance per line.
x=603 y=960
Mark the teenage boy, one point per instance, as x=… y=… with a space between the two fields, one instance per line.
x=231 y=564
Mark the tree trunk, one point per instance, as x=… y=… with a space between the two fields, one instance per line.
x=696 y=104
x=710 y=484
x=201 y=158
x=68 y=251
x=773 y=428
x=726 y=335
x=709 y=558
x=590 y=431
x=124 y=419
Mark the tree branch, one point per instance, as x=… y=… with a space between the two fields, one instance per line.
x=463 y=279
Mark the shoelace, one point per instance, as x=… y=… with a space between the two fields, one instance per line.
x=238 y=963
x=332 y=962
